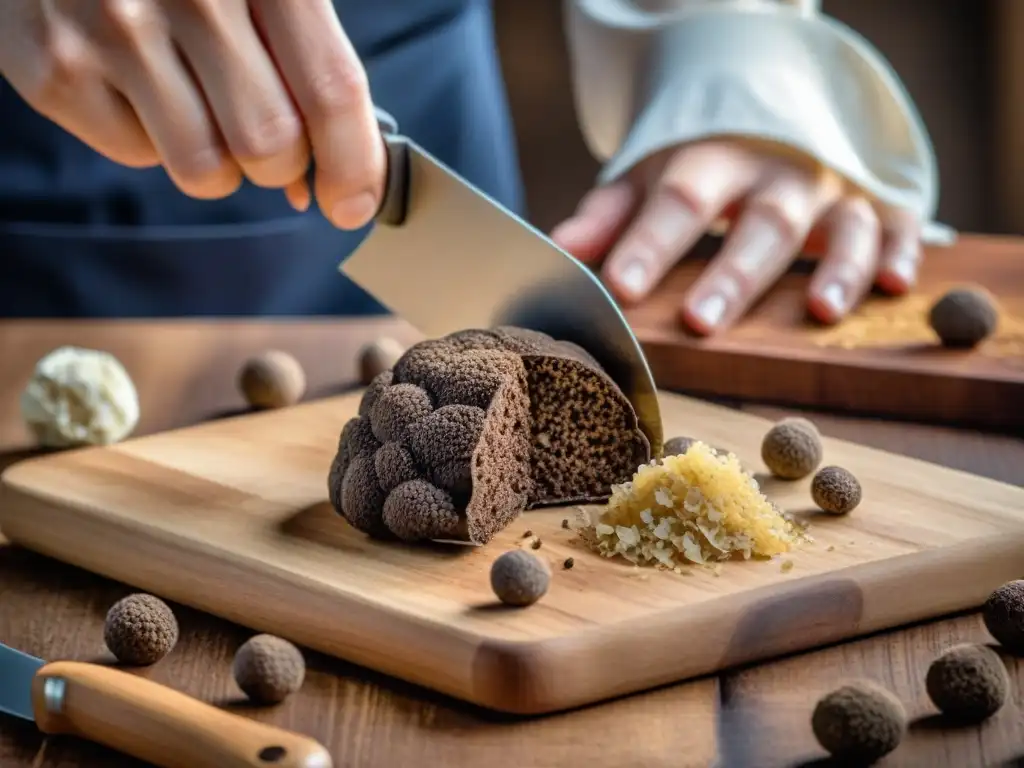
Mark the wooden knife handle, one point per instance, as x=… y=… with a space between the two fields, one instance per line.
x=152 y=722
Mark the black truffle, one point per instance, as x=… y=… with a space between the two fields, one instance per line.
x=268 y=669
x=519 y=578
x=467 y=431
x=963 y=317
x=968 y=683
x=792 y=448
x=860 y=722
x=677 y=446
x=140 y=630
x=1003 y=614
x=836 y=490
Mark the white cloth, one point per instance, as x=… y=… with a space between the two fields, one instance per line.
x=647 y=78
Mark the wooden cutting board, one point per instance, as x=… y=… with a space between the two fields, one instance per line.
x=883 y=360
x=231 y=517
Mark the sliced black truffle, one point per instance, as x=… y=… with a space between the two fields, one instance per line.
x=494 y=422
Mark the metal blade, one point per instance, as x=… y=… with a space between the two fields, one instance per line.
x=460 y=260
x=16 y=672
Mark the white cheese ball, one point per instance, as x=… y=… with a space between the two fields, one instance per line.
x=80 y=397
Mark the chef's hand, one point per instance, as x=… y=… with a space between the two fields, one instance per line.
x=778 y=203
x=212 y=90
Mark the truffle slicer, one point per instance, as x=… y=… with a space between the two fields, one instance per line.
x=446 y=257
x=144 y=719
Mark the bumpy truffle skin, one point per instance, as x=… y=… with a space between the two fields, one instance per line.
x=519 y=578
x=836 y=490
x=792 y=449
x=268 y=669
x=968 y=683
x=677 y=446
x=467 y=431
x=140 y=630
x=1003 y=614
x=860 y=722
x=963 y=317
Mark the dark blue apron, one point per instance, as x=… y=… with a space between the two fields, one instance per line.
x=83 y=237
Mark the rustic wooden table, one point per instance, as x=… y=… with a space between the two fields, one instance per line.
x=756 y=717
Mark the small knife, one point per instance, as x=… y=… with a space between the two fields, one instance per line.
x=446 y=257
x=144 y=719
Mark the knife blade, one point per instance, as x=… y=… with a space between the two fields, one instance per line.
x=144 y=719
x=446 y=257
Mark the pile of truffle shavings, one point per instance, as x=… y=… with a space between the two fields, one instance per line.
x=697 y=508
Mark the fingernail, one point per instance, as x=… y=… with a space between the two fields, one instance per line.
x=905 y=270
x=711 y=310
x=354 y=212
x=835 y=297
x=633 y=277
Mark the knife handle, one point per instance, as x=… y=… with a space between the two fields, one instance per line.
x=395 y=201
x=165 y=727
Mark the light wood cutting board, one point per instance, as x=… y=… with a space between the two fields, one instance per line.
x=231 y=517
x=776 y=354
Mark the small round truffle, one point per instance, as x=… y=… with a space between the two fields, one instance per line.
x=836 y=490
x=519 y=578
x=968 y=682
x=859 y=722
x=792 y=449
x=268 y=669
x=140 y=630
x=963 y=317
x=273 y=379
x=378 y=356
x=1003 y=614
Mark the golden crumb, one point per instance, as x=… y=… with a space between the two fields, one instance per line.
x=535 y=543
x=787 y=566
x=697 y=508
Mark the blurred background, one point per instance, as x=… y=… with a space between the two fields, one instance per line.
x=961 y=60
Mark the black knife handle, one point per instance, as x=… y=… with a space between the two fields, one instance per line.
x=394 y=203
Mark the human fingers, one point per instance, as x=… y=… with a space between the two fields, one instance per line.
x=143 y=62
x=901 y=254
x=330 y=87
x=298 y=195
x=848 y=268
x=697 y=182
x=255 y=114
x=598 y=222
x=761 y=245
x=52 y=66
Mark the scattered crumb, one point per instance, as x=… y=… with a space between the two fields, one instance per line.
x=568 y=564
x=1003 y=614
x=535 y=544
x=830 y=548
x=565 y=524
x=519 y=578
x=696 y=508
x=787 y=566
x=968 y=682
x=268 y=669
x=836 y=490
x=963 y=317
x=859 y=722
x=792 y=448
x=273 y=379
x=527 y=533
x=140 y=630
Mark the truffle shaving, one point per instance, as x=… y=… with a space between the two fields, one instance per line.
x=694 y=508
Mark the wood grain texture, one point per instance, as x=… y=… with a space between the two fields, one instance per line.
x=230 y=517
x=776 y=355
x=150 y=721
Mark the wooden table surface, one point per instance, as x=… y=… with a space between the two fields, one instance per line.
x=756 y=717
